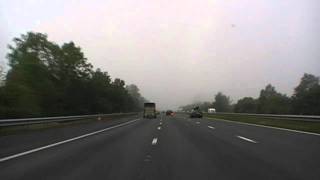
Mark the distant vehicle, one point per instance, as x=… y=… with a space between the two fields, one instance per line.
x=211 y=110
x=169 y=113
x=196 y=113
x=149 y=110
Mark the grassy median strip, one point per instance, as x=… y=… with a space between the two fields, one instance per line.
x=7 y=130
x=41 y=126
x=274 y=122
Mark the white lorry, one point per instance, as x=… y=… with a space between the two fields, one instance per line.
x=211 y=110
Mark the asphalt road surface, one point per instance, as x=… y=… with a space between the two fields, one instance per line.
x=164 y=148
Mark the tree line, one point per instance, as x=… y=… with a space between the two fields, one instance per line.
x=46 y=79
x=304 y=101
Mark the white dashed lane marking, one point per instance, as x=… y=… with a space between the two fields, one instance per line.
x=246 y=139
x=154 y=141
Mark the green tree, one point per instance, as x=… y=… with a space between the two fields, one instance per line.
x=100 y=94
x=73 y=74
x=46 y=79
x=203 y=106
x=2 y=75
x=222 y=103
x=246 y=105
x=3 y=106
x=272 y=102
x=28 y=82
x=137 y=99
x=306 y=97
x=121 y=99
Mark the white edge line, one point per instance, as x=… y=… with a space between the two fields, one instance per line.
x=247 y=139
x=154 y=141
x=211 y=127
x=271 y=127
x=63 y=142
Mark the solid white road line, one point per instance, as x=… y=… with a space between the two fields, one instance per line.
x=271 y=127
x=65 y=141
x=246 y=139
x=211 y=127
x=154 y=141
x=159 y=128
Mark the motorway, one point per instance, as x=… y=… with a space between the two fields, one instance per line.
x=164 y=148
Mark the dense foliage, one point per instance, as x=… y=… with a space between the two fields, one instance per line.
x=45 y=79
x=304 y=101
x=201 y=105
x=222 y=103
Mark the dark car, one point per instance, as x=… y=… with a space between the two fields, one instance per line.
x=196 y=113
x=169 y=113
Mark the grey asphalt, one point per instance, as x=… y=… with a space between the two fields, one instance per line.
x=183 y=149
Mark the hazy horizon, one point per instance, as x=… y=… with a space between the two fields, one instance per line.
x=179 y=52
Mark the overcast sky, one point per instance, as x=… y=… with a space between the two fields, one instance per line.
x=181 y=51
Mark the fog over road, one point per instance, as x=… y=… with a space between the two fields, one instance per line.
x=190 y=49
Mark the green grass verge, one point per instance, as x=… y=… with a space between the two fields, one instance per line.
x=39 y=127
x=43 y=126
x=274 y=122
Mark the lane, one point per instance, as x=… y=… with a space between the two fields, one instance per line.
x=115 y=154
x=174 y=157
x=191 y=152
x=173 y=148
x=264 y=126
x=26 y=140
x=295 y=153
x=7 y=158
